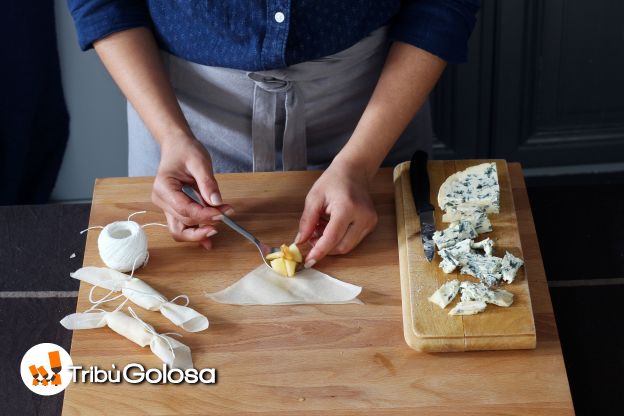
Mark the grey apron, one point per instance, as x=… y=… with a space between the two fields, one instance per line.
x=294 y=118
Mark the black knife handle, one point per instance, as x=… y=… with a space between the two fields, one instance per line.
x=420 y=182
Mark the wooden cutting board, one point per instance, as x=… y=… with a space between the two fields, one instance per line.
x=338 y=360
x=426 y=326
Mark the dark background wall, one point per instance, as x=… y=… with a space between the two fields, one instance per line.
x=544 y=85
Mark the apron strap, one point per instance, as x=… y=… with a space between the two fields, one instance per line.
x=294 y=155
x=294 y=148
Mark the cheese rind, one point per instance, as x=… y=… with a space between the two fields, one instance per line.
x=468 y=308
x=476 y=185
x=445 y=293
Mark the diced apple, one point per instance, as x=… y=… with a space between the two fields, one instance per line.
x=291 y=267
x=286 y=252
x=279 y=266
x=296 y=254
x=286 y=260
x=274 y=255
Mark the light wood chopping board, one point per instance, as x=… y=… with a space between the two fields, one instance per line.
x=426 y=326
x=335 y=360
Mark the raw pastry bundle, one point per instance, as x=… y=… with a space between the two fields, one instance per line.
x=143 y=295
x=263 y=286
x=169 y=350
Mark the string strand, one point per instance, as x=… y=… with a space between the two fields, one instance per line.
x=154 y=223
x=179 y=297
x=152 y=331
x=136 y=213
x=91 y=228
x=104 y=298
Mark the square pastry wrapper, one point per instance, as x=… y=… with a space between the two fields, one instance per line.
x=263 y=286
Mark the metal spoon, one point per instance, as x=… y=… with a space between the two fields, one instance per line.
x=263 y=248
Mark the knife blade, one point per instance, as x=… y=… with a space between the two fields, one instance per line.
x=419 y=180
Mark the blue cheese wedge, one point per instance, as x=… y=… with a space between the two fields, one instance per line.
x=477 y=185
x=445 y=294
x=454 y=234
x=475 y=214
x=510 y=266
x=479 y=292
x=485 y=268
x=468 y=308
x=486 y=245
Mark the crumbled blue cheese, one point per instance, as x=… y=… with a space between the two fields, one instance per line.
x=468 y=308
x=486 y=245
x=510 y=266
x=477 y=185
x=451 y=256
x=445 y=294
x=452 y=235
x=485 y=268
x=479 y=292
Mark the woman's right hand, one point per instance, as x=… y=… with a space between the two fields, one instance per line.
x=184 y=160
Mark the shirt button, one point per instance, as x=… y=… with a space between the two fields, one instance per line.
x=279 y=17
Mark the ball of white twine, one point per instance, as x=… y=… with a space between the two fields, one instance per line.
x=122 y=245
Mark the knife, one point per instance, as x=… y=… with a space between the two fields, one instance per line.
x=419 y=179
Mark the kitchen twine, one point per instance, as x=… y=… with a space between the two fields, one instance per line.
x=123 y=244
x=148 y=328
x=106 y=297
x=145 y=326
x=152 y=331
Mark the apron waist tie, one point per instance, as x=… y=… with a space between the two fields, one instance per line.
x=294 y=156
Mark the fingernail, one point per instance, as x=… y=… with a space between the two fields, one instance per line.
x=215 y=198
x=217 y=217
x=309 y=264
x=211 y=233
x=297 y=237
x=229 y=212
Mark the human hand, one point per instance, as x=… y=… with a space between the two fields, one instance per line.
x=186 y=161
x=338 y=212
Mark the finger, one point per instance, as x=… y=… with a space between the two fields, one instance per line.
x=169 y=190
x=188 y=221
x=181 y=232
x=358 y=230
x=207 y=244
x=354 y=235
x=310 y=218
x=206 y=182
x=332 y=235
x=167 y=209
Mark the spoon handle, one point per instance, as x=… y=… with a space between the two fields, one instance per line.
x=191 y=193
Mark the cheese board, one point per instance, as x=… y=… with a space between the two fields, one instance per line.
x=428 y=327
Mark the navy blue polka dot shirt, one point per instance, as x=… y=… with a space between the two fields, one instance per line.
x=267 y=34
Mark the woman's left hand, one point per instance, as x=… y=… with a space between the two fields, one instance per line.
x=338 y=213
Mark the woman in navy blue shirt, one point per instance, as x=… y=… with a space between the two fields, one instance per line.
x=262 y=85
